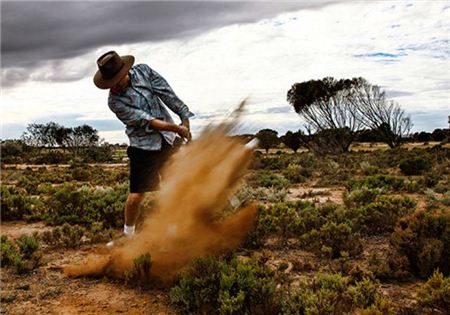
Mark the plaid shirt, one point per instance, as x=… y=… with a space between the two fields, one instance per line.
x=143 y=101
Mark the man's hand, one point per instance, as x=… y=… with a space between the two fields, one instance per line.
x=184 y=132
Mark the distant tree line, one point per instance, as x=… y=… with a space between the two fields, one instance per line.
x=53 y=143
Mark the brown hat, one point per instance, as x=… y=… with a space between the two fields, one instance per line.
x=111 y=69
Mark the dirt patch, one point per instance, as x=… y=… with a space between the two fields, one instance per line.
x=316 y=194
x=15 y=229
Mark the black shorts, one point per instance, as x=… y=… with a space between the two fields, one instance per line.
x=145 y=167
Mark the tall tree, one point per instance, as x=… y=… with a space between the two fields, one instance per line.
x=268 y=138
x=380 y=114
x=292 y=140
x=330 y=115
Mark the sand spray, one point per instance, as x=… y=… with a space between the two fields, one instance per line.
x=189 y=220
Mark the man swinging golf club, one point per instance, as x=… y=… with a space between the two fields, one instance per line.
x=138 y=95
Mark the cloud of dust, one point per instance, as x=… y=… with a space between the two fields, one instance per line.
x=189 y=221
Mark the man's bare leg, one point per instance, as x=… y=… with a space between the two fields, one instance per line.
x=132 y=208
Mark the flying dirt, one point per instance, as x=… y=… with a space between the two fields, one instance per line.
x=190 y=219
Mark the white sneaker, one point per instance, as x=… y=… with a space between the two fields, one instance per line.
x=119 y=240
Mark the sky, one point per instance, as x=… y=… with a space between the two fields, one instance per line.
x=214 y=54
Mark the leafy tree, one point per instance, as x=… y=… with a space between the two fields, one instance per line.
x=268 y=138
x=325 y=105
x=439 y=134
x=292 y=140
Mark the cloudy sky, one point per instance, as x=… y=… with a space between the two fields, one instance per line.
x=216 y=53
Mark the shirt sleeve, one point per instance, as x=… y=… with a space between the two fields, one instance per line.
x=163 y=90
x=128 y=115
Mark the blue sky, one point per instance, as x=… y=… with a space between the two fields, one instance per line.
x=402 y=46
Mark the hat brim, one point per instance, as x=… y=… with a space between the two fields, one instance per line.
x=103 y=83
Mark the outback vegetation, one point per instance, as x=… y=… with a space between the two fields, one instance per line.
x=365 y=231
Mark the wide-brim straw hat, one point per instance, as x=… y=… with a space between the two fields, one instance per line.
x=111 y=69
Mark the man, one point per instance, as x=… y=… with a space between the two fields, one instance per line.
x=137 y=96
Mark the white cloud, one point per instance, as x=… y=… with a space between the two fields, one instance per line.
x=402 y=48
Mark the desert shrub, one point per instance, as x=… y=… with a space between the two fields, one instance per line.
x=368 y=169
x=330 y=294
x=65 y=236
x=73 y=236
x=80 y=173
x=361 y=196
x=218 y=286
x=296 y=174
x=274 y=181
x=430 y=179
x=15 y=205
x=245 y=193
x=83 y=205
x=381 y=215
x=29 y=183
x=424 y=238
x=334 y=240
x=389 y=265
x=383 y=181
x=140 y=271
x=51 y=157
x=435 y=293
x=415 y=165
x=23 y=255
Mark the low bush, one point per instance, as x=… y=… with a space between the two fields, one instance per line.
x=415 y=165
x=333 y=240
x=15 y=205
x=296 y=174
x=424 y=238
x=381 y=215
x=383 y=181
x=23 y=255
x=368 y=169
x=435 y=293
x=218 y=286
x=73 y=236
x=140 y=271
x=271 y=180
x=330 y=294
x=361 y=196
x=82 y=205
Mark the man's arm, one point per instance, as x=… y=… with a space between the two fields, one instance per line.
x=162 y=125
x=163 y=90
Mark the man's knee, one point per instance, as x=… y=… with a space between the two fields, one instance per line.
x=135 y=198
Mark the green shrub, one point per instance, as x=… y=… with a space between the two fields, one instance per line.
x=15 y=205
x=84 y=206
x=435 y=293
x=226 y=287
x=368 y=169
x=23 y=254
x=296 y=174
x=273 y=181
x=415 y=165
x=140 y=271
x=330 y=294
x=81 y=173
x=382 y=215
x=424 y=238
x=386 y=182
x=361 y=196
x=334 y=240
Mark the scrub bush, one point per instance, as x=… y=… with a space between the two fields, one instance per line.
x=382 y=215
x=15 y=205
x=331 y=294
x=386 y=182
x=271 y=180
x=415 y=165
x=435 y=293
x=424 y=238
x=23 y=255
x=218 y=286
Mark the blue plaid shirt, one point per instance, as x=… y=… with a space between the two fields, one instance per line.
x=143 y=101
